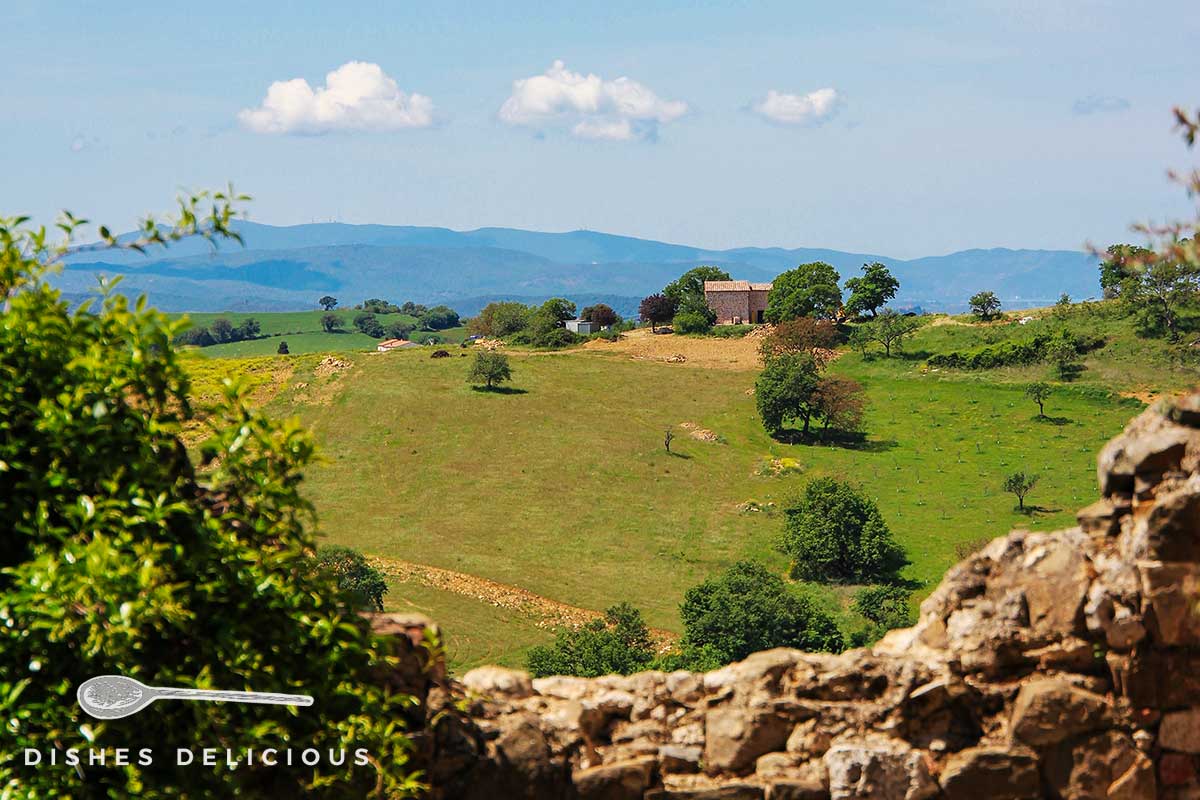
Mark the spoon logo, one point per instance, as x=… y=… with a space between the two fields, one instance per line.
x=116 y=696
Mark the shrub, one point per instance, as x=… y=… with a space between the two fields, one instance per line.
x=439 y=354
x=121 y=557
x=885 y=605
x=331 y=322
x=834 y=533
x=619 y=644
x=363 y=586
x=746 y=609
x=489 y=368
x=1009 y=354
x=691 y=322
x=730 y=331
x=283 y=348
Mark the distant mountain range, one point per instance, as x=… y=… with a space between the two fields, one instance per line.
x=288 y=268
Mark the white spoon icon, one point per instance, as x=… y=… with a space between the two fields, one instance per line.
x=115 y=696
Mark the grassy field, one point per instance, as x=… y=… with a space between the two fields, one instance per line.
x=476 y=633
x=561 y=485
x=303 y=332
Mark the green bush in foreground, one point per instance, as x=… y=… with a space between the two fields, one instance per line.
x=120 y=557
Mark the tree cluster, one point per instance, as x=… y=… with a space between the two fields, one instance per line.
x=792 y=388
x=537 y=326
x=1161 y=289
x=221 y=331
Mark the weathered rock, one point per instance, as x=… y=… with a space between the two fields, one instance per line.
x=1170 y=591
x=625 y=780
x=498 y=681
x=729 y=791
x=1050 y=710
x=1086 y=767
x=1180 y=730
x=680 y=759
x=878 y=768
x=737 y=736
x=991 y=773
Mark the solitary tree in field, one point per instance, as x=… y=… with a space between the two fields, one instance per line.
x=656 y=309
x=985 y=305
x=1061 y=352
x=489 y=368
x=668 y=437
x=283 y=348
x=890 y=330
x=1020 y=484
x=331 y=323
x=1039 y=392
x=872 y=290
x=328 y=302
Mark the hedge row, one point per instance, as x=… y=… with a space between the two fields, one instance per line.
x=1007 y=354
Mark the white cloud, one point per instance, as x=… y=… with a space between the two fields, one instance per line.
x=593 y=108
x=357 y=96
x=798 y=109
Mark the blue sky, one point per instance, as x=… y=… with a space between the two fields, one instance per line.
x=897 y=128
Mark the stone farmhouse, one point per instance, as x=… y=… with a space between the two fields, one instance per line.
x=737 y=302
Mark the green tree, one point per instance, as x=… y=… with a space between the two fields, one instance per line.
x=834 y=533
x=327 y=303
x=397 y=330
x=369 y=324
x=619 y=644
x=1020 y=484
x=1064 y=355
x=809 y=290
x=124 y=556
x=1039 y=392
x=746 y=609
x=885 y=607
x=890 y=330
x=363 y=585
x=222 y=330
x=1164 y=290
x=331 y=322
x=1123 y=264
x=688 y=291
x=558 y=309
x=786 y=390
x=489 y=368
x=872 y=291
x=283 y=348
x=500 y=319
x=657 y=309
x=985 y=305
x=438 y=318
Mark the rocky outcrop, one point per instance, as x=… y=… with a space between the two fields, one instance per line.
x=1061 y=665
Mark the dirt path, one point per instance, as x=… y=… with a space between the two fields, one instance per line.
x=544 y=612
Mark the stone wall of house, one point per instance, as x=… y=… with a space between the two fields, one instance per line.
x=1060 y=665
x=729 y=305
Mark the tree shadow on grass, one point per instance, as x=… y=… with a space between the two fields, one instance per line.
x=1033 y=511
x=843 y=439
x=499 y=390
x=1059 y=421
x=912 y=355
x=684 y=456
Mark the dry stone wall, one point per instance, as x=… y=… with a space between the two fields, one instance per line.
x=1060 y=665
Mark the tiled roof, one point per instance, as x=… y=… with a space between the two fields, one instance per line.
x=735 y=286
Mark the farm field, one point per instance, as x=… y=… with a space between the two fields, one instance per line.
x=303 y=332
x=561 y=485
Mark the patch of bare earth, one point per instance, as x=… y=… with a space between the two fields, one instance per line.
x=692 y=351
x=698 y=433
x=544 y=612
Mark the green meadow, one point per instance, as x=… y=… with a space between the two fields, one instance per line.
x=561 y=485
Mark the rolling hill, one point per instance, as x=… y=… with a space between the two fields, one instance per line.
x=287 y=268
